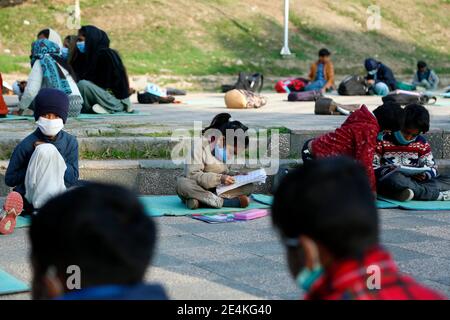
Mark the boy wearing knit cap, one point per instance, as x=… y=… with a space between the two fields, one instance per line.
x=45 y=163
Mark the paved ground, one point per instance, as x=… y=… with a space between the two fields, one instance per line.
x=203 y=106
x=244 y=260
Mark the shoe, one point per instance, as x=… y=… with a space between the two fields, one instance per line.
x=244 y=201
x=12 y=207
x=444 y=195
x=192 y=204
x=99 y=109
x=405 y=195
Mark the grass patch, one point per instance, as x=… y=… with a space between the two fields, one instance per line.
x=132 y=154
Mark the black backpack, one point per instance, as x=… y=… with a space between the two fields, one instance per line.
x=249 y=82
x=353 y=86
x=404 y=98
x=148 y=98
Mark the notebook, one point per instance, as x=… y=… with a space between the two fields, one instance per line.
x=408 y=171
x=257 y=176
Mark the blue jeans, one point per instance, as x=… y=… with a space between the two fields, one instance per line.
x=381 y=89
x=315 y=85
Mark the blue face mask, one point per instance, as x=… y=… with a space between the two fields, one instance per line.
x=220 y=153
x=81 y=46
x=380 y=136
x=65 y=53
x=306 y=278
x=401 y=139
x=373 y=72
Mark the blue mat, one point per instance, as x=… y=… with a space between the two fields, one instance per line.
x=384 y=204
x=10 y=284
x=420 y=205
x=157 y=206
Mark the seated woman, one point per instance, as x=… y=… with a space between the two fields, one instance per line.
x=49 y=70
x=69 y=46
x=103 y=80
x=208 y=169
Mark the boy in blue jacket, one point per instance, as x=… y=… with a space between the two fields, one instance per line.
x=45 y=163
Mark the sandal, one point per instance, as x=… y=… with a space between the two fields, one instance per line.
x=12 y=207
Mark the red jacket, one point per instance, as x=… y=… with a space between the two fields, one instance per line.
x=356 y=138
x=347 y=280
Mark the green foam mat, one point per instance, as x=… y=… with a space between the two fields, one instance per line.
x=157 y=206
x=266 y=199
x=11 y=117
x=23 y=222
x=421 y=205
x=10 y=284
x=83 y=116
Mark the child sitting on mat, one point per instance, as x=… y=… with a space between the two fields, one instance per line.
x=356 y=137
x=208 y=169
x=93 y=242
x=45 y=163
x=332 y=238
x=407 y=147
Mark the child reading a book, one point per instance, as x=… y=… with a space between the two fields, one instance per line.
x=208 y=168
x=407 y=147
x=357 y=137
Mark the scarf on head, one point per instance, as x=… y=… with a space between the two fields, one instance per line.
x=46 y=51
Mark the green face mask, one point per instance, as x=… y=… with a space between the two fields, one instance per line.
x=306 y=277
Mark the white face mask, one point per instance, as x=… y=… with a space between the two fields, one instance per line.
x=49 y=127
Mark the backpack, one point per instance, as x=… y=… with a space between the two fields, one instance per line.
x=312 y=95
x=250 y=82
x=149 y=98
x=243 y=99
x=353 y=86
x=327 y=106
x=289 y=85
x=407 y=97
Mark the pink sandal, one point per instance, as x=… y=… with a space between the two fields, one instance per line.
x=12 y=207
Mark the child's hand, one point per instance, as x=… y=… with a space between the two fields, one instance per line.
x=227 y=180
x=420 y=177
x=37 y=143
x=370 y=82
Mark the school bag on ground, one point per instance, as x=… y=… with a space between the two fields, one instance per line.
x=327 y=106
x=243 y=99
x=407 y=97
x=291 y=85
x=149 y=98
x=312 y=95
x=353 y=86
x=246 y=81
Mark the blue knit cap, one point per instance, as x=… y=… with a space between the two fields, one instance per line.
x=51 y=101
x=370 y=64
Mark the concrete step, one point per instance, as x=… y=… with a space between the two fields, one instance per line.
x=155 y=177
x=135 y=147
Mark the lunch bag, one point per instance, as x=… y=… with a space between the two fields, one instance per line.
x=353 y=86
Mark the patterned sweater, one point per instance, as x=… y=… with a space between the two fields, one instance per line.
x=416 y=154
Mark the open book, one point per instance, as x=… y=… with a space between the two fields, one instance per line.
x=408 y=171
x=256 y=176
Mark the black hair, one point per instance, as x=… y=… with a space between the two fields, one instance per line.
x=218 y=121
x=331 y=202
x=234 y=126
x=44 y=32
x=390 y=116
x=421 y=64
x=417 y=117
x=101 y=228
x=324 y=52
